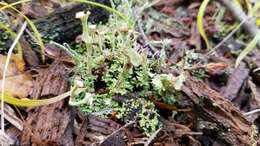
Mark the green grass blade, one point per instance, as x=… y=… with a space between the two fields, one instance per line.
x=248 y=48
x=31 y=24
x=28 y=103
x=200 y=22
x=14 y=4
x=38 y=102
x=13 y=35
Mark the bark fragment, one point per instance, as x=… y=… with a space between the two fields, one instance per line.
x=218 y=117
x=235 y=82
x=95 y=129
x=62 y=26
x=51 y=124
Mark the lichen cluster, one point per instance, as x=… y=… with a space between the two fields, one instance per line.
x=111 y=64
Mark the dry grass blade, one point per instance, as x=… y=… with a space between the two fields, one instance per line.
x=14 y=4
x=5 y=140
x=248 y=48
x=19 y=102
x=12 y=118
x=5 y=70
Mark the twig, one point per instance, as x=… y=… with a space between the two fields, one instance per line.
x=252 y=112
x=194 y=133
x=151 y=138
x=5 y=70
x=140 y=25
x=121 y=128
x=146 y=40
x=225 y=39
x=208 y=54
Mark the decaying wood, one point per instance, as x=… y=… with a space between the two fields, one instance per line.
x=51 y=124
x=62 y=26
x=217 y=116
x=95 y=129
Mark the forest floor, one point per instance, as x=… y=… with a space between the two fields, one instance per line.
x=162 y=73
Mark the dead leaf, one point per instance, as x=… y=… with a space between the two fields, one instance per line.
x=215 y=68
x=18 y=86
x=17 y=83
x=15 y=67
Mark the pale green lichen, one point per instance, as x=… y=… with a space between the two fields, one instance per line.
x=109 y=65
x=143 y=112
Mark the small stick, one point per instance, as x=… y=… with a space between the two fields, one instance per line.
x=223 y=41
x=252 y=112
x=140 y=26
x=146 y=40
x=226 y=38
x=151 y=138
x=121 y=128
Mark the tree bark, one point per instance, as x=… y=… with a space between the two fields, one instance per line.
x=216 y=116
